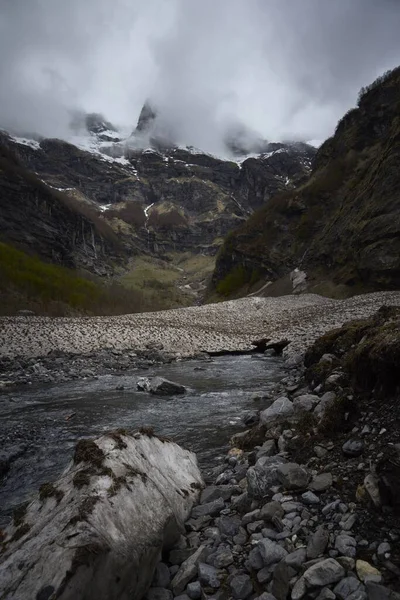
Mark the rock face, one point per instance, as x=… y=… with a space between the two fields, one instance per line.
x=348 y=197
x=50 y=222
x=99 y=530
x=156 y=200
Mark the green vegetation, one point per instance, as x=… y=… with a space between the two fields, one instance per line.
x=237 y=279
x=26 y=282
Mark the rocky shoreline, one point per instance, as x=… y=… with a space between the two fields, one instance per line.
x=41 y=349
x=305 y=505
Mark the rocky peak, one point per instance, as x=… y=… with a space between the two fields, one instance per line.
x=147 y=117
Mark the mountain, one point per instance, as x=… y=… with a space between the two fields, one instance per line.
x=338 y=232
x=150 y=217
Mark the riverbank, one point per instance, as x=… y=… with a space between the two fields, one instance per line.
x=306 y=504
x=41 y=349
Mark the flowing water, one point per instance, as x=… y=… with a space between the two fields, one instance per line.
x=38 y=419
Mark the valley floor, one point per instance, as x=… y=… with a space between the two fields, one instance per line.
x=229 y=325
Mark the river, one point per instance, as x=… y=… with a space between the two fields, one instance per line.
x=37 y=420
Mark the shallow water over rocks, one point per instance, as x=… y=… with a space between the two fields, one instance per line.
x=38 y=428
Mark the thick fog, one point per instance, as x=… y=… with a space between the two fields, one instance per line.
x=285 y=69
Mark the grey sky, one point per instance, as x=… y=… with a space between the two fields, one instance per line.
x=285 y=68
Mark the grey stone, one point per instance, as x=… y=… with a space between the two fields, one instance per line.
x=320 y=451
x=241 y=586
x=229 y=525
x=251 y=516
x=266 y=596
x=353 y=448
x=299 y=589
x=263 y=476
x=347 y=586
x=306 y=402
x=317 y=543
x=310 y=498
x=182 y=597
x=321 y=482
x=158 y=593
x=270 y=510
x=160 y=386
x=324 y=573
x=208 y=576
x=379 y=592
x=241 y=503
x=296 y=559
x=193 y=590
x=188 y=570
x=293 y=476
x=280 y=581
x=255 y=559
x=358 y=595
x=213 y=492
x=208 y=509
x=264 y=575
x=222 y=558
x=279 y=410
x=271 y=552
x=346 y=545
x=326 y=594
x=383 y=551
x=162 y=576
x=326 y=401
x=267 y=449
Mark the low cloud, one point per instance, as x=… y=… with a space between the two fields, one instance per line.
x=283 y=69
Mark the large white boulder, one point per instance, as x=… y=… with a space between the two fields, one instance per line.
x=98 y=531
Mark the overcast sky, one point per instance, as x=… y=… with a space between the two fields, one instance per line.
x=288 y=69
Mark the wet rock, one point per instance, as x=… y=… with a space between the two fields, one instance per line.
x=229 y=525
x=271 y=552
x=321 y=482
x=213 y=492
x=160 y=386
x=71 y=521
x=347 y=586
x=280 y=410
x=208 y=576
x=293 y=476
x=280 y=581
x=211 y=509
x=305 y=403
x=346 y=545
x=271 y=510
x=267 y=449
x=241 y=586
x=222 y=558
x=296 y=559
x=194 y=590
x=324 y=573
x=263 y=476
x=379 y=592
x=162 y=576
x=317 y=543
x=326 y=594
x=159 y=593
x=188 y=570
x=251 y=418
x=299 y=589
x=326 y=402
x=310 y=498
x=353 y=448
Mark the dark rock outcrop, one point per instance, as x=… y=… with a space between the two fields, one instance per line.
x=342 y=226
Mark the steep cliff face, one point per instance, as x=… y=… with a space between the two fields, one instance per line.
x=177 y=200
x=49 y=223
x=342 y=226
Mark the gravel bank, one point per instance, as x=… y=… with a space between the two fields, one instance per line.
x=224 y=326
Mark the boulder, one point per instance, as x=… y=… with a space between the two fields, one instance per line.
x=99 y=530
x=263 y=476
x=305 y=403
x=159 y=386
x=324 y=573
x=279 y=410
x=293 y=476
